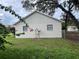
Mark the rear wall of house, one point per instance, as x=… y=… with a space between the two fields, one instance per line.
x=40 y=22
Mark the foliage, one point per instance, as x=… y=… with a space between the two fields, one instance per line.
x=9 y=9
x=3 y=33
x=76 y=3
x=3 y=30
x=48 y=6
x=39 y=53
x=45 y=6
x=18 y=34
x=12 y=30
x=2 y=41
x=40 y=49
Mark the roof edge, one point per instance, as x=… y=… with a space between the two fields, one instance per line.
x=40 y=13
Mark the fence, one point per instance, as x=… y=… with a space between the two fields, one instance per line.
x=72 y=35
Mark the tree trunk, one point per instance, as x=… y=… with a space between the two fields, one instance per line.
x=70 y=14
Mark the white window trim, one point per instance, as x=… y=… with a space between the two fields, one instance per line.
x=50 y=27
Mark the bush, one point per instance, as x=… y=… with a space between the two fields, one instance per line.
x=3 y=33
x=2 y=41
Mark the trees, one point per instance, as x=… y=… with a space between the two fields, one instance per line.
x=70 y=5
x=45 y=6
x=3 y=30
x=48 y=6
x=3 y=33
x=76 y=3
x=9 y=9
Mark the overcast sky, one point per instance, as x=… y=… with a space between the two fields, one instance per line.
x=9 y=19
x=6 y=17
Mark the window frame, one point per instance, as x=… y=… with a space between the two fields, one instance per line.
x=50 y=27
x=24 y=28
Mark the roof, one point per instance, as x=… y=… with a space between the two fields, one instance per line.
x=39 y=13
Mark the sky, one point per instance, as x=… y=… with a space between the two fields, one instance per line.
x=8 y=19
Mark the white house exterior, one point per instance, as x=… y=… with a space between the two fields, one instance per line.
x=72 y=28
x=40 y=26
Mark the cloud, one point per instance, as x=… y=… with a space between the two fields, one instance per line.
x=58 y=13
x=9 y=19
x=16 y=6
x=1 y=14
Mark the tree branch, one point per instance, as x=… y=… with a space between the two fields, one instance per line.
x=70 y=14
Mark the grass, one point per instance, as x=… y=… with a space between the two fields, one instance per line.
x=40 y=49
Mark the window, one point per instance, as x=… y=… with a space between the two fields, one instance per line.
x=24 y=28
x=50 y=27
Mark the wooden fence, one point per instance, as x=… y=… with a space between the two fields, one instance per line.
x=72 y=35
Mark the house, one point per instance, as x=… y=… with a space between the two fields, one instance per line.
x=40 y=26
x=72 y=29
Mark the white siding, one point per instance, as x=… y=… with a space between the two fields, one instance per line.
x=72 y=28
x=40 y=21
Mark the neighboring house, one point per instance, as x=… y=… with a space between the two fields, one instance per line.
x=72 y=28
x=40 y=26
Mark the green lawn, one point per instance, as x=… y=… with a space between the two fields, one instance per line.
x=40 y=49
x=43 y=43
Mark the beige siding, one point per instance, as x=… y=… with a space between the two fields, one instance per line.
x=40 y=21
